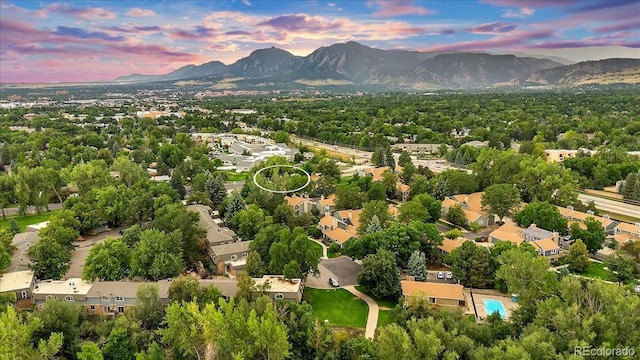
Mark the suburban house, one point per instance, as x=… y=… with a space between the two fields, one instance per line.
x=625 y=232
x=217 y=233
x=301 y=205
x=22 y=241
x=20 y=283
x=437 y=294
x=403 y=191
x=230 y=258
x=279 y=288
x=448 y=245
x=508 y=232
x=73 y=289
x=374 y=172
x=327 y=205
x=545 y=242
x=578 y=216
x=341 y=226
x=471 y=205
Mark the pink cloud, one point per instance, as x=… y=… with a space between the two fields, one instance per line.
x=535 y=4
x=138 y=12
x=628 y=25
x=496 y=27
x=518 y=14
x=89 y=13
x=299 y=22
x=498 y=42
x=582 y=43
x=391 y=8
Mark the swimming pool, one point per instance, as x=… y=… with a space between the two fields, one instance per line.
x=491 y=306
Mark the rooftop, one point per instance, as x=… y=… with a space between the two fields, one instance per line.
x=16 y=280
x=279 y=284
x=537 y=232
x=431 y=289
x=448 y=245
x=231 y=248
x=63 y=287
x=546 y=244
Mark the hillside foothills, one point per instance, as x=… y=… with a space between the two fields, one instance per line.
x=356 y=64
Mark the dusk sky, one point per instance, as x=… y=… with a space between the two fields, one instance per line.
x=43 y=41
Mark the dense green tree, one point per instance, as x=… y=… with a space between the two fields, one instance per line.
x=174 y=217
x=390 y=182
x=119 y=345
x=214 y=187
x=89 y=351
x=295 y=253
x=593 y=236
x=527 y=275
x=417 y=266
x=419 y=185
x=157 y=255
x=379 y=275
x=108 y=260
x=128 y=171
x=61 y=317
x=7 y=192
x=471 y=264
x=621 y=268
x=349 y=197
x=49 y=259
x=16 y=338
x=377 y=191
x=249 y=221
x=376 y=208
x=177 y=184
x=255 y=267
x=632 y=248
x=578 y=257
x=544 y=215
x=500 y=199
x=235 y=205
x=404 y=159
x=456 y=216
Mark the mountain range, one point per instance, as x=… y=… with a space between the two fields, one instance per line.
x=352 y=63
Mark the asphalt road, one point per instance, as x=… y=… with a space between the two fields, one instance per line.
x=31 y=210
x=611 y=205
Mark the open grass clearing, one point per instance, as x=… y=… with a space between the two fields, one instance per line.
x=24 y=221
x=597 y=271
x=385 y=317
x=386 y=303
x=317 y=248
x=233 y=176
x=338 y=306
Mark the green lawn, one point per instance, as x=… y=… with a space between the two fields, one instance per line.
x=338 y=306
x=333 y=255
x=234 y=176
x=385 y=317
x=317 y=248
x=25 y=221
x=388 y=303
x=597 y=271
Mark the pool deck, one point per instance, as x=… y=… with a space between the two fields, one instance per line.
x=478 y=299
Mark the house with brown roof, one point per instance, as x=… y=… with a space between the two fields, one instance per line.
x=547 y=247
x=471 y=206
x=21 y=283
x=279 y=288
x=578 y=216
x=230 y=258
x=508 y=232
x=301 y=205
x=628 y=229
x=448 y=245
x=341 y=226
x=403 y=191
x=436 y=294
x=327 y=205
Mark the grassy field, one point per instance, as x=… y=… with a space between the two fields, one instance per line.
x=24 y=221
x=338 y=306
x=234 y=176
x=387 y=303
x=597 y=271
x=317 y=248
x=385 y=317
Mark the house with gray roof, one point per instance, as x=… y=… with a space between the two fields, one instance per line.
x=533 y=233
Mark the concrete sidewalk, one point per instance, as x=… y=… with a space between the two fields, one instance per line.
x=372 y=318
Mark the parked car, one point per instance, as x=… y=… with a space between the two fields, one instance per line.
x=449 y=275
x=333 y=282
x=440 y=275
x=121 y=232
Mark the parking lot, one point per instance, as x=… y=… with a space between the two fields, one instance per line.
x=433 y=276
x=342 y=269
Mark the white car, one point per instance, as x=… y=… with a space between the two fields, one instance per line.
x=440 y=275
x=334 y=282
x=449 y=275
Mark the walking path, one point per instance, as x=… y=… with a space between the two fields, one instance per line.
x=324 y=247
x=372 y=318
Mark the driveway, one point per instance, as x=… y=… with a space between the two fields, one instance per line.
x=81 y=252
x=343 y=269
